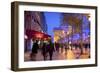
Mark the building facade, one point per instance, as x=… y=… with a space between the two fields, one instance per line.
x=33 y=21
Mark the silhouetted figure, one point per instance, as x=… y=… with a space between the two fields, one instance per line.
x=44 y=51
x=50 y=49
x=57 y=46
x=35 y=48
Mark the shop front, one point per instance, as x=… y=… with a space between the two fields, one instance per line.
x=32 y=36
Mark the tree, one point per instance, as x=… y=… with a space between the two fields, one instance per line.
x=75 y=21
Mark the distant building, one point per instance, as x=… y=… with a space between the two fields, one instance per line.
x=60 y=34
x=57 y=34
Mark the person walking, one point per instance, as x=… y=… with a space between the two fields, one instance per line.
x=44 y=51
x=50 y=49
x=35 y=48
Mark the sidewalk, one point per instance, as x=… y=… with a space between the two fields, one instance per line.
x=39 y=56
x=61 y=55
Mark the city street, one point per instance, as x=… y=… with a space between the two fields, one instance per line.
x=68 y=33
x=61 y=55
x=39 y=56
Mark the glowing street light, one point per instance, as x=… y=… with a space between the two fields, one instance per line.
x=26 y=37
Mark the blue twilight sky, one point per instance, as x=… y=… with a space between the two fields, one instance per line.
x=52 y=21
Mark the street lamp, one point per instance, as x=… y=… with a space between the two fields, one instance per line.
x=26 y=37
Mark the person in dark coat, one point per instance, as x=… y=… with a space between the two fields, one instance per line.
x=44 y=51
x=57 y=46
x=50 y=49
x=35 y=48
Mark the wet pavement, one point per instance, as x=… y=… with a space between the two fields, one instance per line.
x=61 y=55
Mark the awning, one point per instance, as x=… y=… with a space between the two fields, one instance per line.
x=36 y=34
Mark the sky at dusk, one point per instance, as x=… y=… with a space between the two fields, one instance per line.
x=52 y=21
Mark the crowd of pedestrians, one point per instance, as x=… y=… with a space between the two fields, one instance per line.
x=48 y=48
